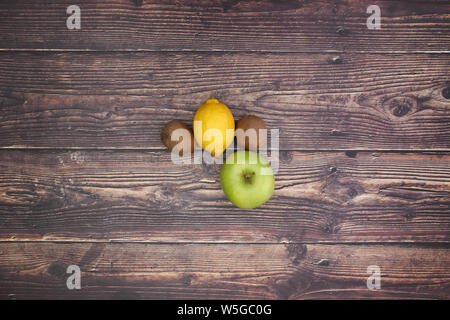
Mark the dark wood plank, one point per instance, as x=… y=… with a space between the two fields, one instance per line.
x=122 y=100
x=222 y=271
x=128 y=195
x=294 y=26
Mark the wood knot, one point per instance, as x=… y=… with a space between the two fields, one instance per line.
x=332 y=170
x=335 y=60
x=351 y=153
x=342 y=31
x=446 y=93
x=400 y=110
x=186 y=280
x=322 y=262
x=285 y=156
x=341 y=191
x=402 y=106
x=296 y=252
x=56 y=270
x=331 y=226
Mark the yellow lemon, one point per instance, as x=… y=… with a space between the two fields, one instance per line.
x=214 y=127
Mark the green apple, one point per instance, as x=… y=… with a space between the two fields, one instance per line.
x=247 y=179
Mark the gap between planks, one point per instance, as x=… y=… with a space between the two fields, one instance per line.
x=406 y=243
x=27 y=50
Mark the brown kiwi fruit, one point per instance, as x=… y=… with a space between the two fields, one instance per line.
x=166 y=135
x=249 y=142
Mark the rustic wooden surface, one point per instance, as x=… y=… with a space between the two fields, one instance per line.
x=364 y=171
x=227 y=25
x=137 y=195
x=220 y=271
x=122 y=100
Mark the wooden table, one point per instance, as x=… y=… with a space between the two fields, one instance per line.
x=364 y=177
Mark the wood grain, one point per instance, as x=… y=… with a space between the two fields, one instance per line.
x=129 y=195
x=84 y=180
x=225 y=271
x=122 y=100
x=291 y=25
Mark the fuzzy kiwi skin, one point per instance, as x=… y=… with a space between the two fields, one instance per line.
x=251 y=122
x=166 y=134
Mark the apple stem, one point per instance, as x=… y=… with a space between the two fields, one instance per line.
x=248 y=176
